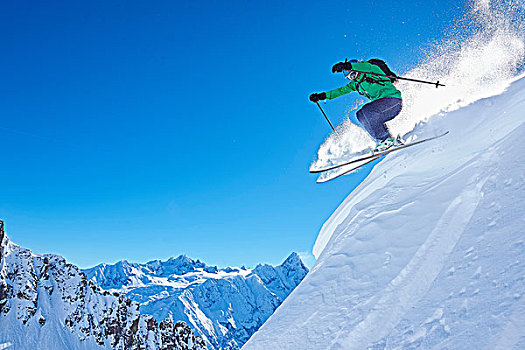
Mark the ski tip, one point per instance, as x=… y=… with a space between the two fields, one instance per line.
x=316 y=171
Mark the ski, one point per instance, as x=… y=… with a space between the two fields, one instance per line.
x=321 y=180
x=376 y=155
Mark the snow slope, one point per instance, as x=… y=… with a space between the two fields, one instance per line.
x=225 y=306
x=429 y=251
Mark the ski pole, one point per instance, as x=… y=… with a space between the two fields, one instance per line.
x=328 y=120
x=402 y=78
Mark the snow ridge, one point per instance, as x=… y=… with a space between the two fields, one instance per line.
x=225 y=306
x=428 y=251
x=46 y=303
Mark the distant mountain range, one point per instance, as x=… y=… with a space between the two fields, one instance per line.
x=46 y=303
x=224 y=306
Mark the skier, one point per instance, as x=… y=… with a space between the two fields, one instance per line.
x=385 y=99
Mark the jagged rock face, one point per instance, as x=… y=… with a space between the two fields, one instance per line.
x=224 y=306
x=47 y=303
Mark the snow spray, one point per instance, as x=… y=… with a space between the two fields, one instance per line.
x=475 y=59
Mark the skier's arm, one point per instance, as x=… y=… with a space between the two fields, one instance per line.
x=365 y=67
x=341 y=91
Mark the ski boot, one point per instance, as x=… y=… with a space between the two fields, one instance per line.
x=398 y=141
x=384 y=145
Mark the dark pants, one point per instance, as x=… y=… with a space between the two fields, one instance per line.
x=374 y=115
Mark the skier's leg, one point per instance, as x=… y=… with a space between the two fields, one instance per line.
x=364 y=115
x=389 y=108
x=373 y=116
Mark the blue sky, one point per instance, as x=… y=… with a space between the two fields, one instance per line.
x=142 y=130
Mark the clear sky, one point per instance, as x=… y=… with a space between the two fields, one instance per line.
x=141 y=130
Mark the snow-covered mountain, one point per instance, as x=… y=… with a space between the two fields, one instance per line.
x=46 y=303
x=225 y=306
x=429 y=251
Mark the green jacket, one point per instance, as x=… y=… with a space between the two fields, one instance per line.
x=374 y=91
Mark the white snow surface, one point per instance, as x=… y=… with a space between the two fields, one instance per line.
x=429 y=251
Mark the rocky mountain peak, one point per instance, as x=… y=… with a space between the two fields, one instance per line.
x=2 y=234
x=293 y=262
x=47 y=303
x=181 y=265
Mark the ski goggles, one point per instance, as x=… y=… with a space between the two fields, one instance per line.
x=352 y=75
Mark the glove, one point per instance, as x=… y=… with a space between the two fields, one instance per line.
x=317 y=97
x=341 y=66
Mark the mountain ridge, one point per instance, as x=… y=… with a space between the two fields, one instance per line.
x=47 y=303
x=224 y=305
